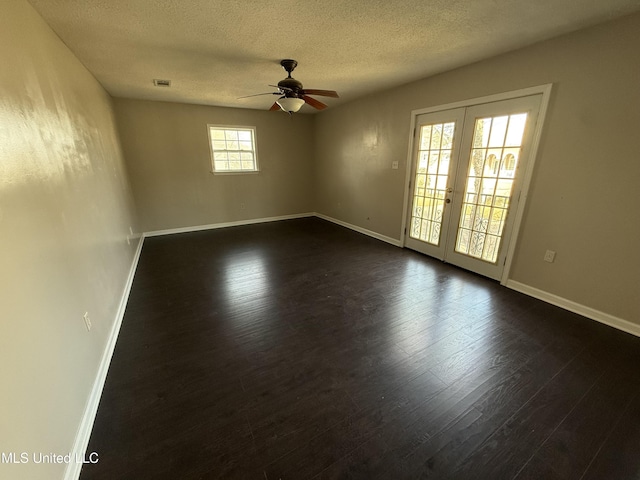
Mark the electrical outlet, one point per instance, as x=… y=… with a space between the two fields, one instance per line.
x=242 y=206
x=87 y=321
x=549 y=256
x=394 y=165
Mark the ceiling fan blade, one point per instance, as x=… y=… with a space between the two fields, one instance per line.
x=314 y=103
x=323 y=93
x=274 y=107
x=258 y=94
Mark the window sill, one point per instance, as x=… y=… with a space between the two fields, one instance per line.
x=251 y=172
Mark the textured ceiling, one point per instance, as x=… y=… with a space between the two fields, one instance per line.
x=215 y=51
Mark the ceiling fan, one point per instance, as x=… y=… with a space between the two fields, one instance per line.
x=292 y=95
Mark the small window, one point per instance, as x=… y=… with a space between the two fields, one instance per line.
x=233 y=149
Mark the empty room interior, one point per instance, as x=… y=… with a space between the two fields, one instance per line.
x=287 y=240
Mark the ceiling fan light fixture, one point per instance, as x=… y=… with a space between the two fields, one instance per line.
x=290 y=104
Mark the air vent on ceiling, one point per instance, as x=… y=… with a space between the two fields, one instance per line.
x=161 y=83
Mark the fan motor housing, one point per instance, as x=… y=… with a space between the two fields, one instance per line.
x=290 y=83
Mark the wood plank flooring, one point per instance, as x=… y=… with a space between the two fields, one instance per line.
x=302 y=350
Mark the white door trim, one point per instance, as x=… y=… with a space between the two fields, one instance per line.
x=545 y=91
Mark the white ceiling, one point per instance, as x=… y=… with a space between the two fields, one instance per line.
x=215 y=51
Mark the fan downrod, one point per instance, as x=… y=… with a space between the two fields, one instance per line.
x=289 y=65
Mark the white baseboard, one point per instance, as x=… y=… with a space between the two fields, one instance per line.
x=593 y=314
x=370 y=233
x=72 y=471
x=212 y=226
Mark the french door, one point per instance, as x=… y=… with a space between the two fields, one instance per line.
x=467 y=173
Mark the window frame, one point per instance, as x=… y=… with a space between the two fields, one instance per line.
x=254 y=151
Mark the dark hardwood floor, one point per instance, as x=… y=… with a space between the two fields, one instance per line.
x=302 y=350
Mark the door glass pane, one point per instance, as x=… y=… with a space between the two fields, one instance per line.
x=431 y=180
x=492 y=165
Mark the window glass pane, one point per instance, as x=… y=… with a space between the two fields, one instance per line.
x=504 y=188
x=476 y=165
x=436 y=137
x=421 y=180
x=498 y=131
x=447 y=136
x=509 y=162
x=481 y=134
x=433 y=161
x=425 y=139
x=488 y=186
x=444 y=163
x=516 y=130
x=491 y=166
x=424 y=161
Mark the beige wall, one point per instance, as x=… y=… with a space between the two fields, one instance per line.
x=166 y=147
x=586 y=188
x=64 y=216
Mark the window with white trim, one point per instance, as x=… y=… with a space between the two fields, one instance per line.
x=233 y=149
